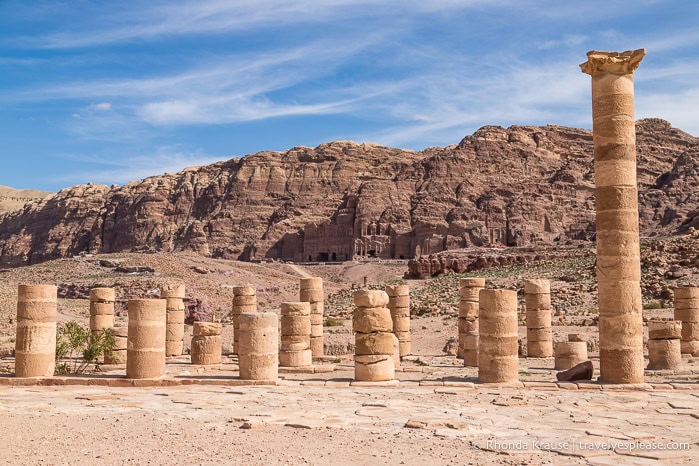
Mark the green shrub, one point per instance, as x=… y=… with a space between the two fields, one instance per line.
x=652 y=305
x=332 y=322
x=78 y=347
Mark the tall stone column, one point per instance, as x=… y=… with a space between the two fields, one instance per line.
x=687 y=311
x=258 y=350
x=102 y=308
x=174 y=306
x=616 y=193
x=35 y=341
x=469 y=288
x=145 y=352
x=244 y=301
x=498 y=338
x=311 y=291
x=537 y=299
x=373 y=327
x=119 y=352
x=295 y=348
x=399 y=305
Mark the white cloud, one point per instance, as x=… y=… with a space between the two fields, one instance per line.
x=231 y=110
x=418 y=89
x=123 y=169
x=438 y=96
x=244 y=73
x=565 y=41
x=229 y=89
x=678 y=108
x=106 y=127
x=162 y=19
x=502 y=91
x=675 y=40
x=103 y=106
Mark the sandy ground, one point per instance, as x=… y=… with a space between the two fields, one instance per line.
x=321 y=425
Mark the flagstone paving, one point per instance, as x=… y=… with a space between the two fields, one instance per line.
x=340 y=425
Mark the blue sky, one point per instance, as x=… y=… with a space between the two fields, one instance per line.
x=108 y=92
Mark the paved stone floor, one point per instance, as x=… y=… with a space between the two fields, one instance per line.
x=347 y=425
x=436 y=413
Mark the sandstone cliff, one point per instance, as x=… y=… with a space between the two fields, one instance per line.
x=519 y=186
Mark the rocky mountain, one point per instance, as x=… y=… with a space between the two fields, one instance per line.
x=13 y=199
x=520 y=186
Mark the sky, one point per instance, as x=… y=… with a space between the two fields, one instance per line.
x=114 y=91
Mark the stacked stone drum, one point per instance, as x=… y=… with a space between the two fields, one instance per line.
x=618 y=265
x=118 y=354
x=102 y=308
x=537 y=300
x=664 y=345
x=374 y=339
x=399 y=306
x=174 y=304
x=244 y=301
x=687 y=311
x=311 y=291
x=145 y=350
x=570 y=353
x=469 y=289
x=498 y=338
x=258 y=353
x=35 y=340
x=295 y=349
x=206 y=343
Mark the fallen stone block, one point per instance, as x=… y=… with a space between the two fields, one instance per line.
x=582 y=371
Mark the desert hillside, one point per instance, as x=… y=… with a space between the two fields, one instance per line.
x=14 y=199
x=520 y=186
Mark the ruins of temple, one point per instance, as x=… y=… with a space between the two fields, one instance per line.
x=346 y=236
x=351 y=233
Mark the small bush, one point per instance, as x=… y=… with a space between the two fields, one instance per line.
x=77 y=348
x=398 y=281
x=652 y=305
x=332 y=322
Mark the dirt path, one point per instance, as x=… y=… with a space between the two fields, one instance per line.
x=302 y=272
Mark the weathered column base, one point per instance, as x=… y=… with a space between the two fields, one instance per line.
x=259 y=346
x=569 y=354
x=374 y=368
x=664 y=355
x=299 y=358
x=498 y=342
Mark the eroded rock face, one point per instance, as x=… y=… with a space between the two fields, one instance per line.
x=518 y=186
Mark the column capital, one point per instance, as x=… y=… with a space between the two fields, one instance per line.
x=619 y=63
